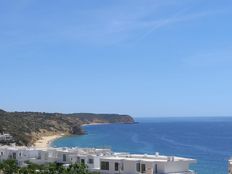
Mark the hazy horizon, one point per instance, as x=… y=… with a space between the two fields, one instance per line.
x=142 y=58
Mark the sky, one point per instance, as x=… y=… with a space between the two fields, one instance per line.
x=149 y=58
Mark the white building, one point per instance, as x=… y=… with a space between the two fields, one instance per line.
x=149 y=164
x=101 y=160
x=230 y=166
x=4 y=138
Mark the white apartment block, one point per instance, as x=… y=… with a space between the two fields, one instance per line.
x=101 y=160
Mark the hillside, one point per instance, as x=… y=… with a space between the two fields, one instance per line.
x=27 y=127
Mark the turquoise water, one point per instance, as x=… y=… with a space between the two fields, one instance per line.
x=209 y=140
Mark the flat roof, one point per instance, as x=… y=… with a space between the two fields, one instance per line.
x=148 y=158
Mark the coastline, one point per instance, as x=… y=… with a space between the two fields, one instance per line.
x=93 y=124
x=46 y=141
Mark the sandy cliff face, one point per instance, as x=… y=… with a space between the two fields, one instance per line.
x=27 y=127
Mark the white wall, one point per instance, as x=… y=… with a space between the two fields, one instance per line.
x=173 y=166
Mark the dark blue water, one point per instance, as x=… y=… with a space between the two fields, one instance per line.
x=209 y=140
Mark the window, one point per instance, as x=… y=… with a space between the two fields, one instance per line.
x=1 y=153
x=143 y=167
x=20 y=154
x=14 y=155
x=90 y=161
x=156 y=169
x=39 y=156
x=64 y=157
x=138 y=167
x=82 y=161
x=104 y=165
x=116 y=166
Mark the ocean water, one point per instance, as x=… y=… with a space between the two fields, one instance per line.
x=209 y=140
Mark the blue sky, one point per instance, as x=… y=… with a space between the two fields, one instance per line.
x=144 y=58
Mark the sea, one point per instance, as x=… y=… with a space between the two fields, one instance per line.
x=208 y=140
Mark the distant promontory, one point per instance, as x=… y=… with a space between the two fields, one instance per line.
x=27 y=127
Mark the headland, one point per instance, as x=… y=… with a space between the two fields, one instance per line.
x=40 y=128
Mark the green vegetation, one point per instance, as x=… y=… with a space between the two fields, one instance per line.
x=27 y=127
x=11 y=167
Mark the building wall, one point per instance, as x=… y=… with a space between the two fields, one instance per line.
x=129 y=167
x=96 y=162
x=173 y=166
x=230 y=167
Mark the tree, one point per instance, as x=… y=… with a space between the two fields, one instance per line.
x=9 y=167
x=77 y=168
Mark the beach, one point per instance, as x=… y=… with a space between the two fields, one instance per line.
x=45 y=141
